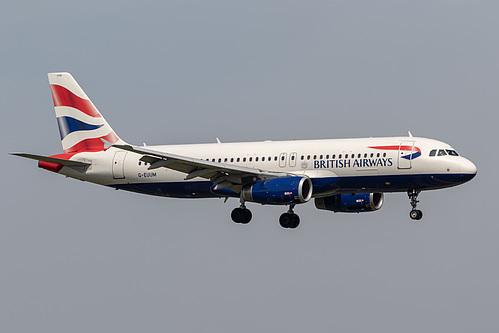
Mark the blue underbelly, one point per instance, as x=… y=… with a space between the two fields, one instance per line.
x=322 y=186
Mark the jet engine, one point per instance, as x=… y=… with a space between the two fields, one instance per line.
x=351 y=203
x=279 y=191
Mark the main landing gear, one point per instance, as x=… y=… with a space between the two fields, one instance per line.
x=287 y=220
x=415 y=214
x=242 y=214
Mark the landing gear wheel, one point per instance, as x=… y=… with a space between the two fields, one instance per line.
x=416 y=214
x=241 y=215
x=289 y=220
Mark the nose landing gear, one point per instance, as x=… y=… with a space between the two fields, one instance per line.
x=415 y=214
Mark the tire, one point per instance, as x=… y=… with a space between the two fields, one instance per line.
x=247 y=216
x=416 y=214
x=241 y=215
x=285 y=220
x=237 y=215
x=289 y=221
x=295 y=221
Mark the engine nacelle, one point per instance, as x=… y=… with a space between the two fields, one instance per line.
x=351 y=203
x=279 y=191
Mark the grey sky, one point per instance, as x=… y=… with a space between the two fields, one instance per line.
x=76 y=257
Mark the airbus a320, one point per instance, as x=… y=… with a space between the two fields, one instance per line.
x=340 y=175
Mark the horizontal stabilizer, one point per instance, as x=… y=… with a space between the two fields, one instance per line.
x=53 y=160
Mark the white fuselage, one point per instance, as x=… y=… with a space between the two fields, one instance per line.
x=334 y=166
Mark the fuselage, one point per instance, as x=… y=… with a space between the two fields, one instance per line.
x=335 y=166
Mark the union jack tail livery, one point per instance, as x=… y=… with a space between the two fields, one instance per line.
x=81 y=126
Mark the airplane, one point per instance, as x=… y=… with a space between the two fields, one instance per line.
x=341 y=175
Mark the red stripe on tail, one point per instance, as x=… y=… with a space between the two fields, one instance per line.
x=64 y=97
x=95 y=144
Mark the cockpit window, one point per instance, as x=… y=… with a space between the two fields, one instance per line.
x=443 y=152
x=452 y=152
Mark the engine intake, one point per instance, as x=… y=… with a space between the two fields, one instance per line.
x=351 y=203
x=279 y=191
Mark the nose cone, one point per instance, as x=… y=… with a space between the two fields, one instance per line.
x=468 y=168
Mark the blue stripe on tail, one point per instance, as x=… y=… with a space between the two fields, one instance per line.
x=69 y=125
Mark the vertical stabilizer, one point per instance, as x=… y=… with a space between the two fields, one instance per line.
x=81 y=126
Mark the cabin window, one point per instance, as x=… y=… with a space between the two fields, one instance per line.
x=238 y=159
x=275 y=158
x=308 y=157
x=251 y=159
x=384 y=154
x=140 y=163
x=365 y=155
x=256 y=159
x=231 y=159
x=377 y=155
x=327 y=157
x=315 y=157
x=372 y=154
x=282 y=158
x=320 y=157
x=334 y=156
x=302 y=157
x=263 y=159
x=292 y=157
x=244 y=159
x=219 y=160
x=225 y=160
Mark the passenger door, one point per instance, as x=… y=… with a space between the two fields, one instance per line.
x=406 y=149
x=119 y=165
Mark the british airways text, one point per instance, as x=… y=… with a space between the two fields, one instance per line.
x=356 y=163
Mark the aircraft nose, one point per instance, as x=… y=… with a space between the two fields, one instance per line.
x=467 y=167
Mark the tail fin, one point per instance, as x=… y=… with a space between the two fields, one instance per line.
x=81 y=125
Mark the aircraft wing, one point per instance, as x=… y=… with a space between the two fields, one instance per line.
x=224 y=175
